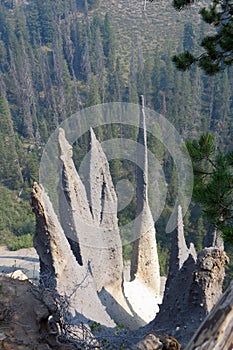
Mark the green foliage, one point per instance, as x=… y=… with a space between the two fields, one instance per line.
x=127 y=251
x=180 y=4
x=24 y=241
x=96 y=327
x=57 y=57
x=163 y=255
x=213 y=185
x=184 y=60
x=218 y=47
x=16 y=218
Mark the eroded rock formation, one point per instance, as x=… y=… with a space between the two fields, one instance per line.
x=81 y=256
x=144 y=263
x=179 y=252
x=193 y=287
x=59 y=270
x=216 y=332
x=154 y=341
x=93 y=214
x=93 y=218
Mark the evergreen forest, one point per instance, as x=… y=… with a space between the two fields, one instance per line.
x=59 y=57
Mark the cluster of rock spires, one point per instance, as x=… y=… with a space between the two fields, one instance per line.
x=81 y=252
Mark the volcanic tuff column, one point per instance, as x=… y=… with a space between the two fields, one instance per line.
x=75 y=215
x=179 y=252
x=95 y=225
x=100 y=190
x=216 y=332
x=59 y=270
x=194 y=283
x=144 y=263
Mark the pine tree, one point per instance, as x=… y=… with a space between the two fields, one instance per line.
x=218 y=46
x=46 y=21
x=213 y=186
x=10 y=173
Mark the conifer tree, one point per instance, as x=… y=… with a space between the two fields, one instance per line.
x=218 y=47
x=213 y=186
x=10 y=173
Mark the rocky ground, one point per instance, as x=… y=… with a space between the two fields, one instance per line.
x=24 y=317
x=25 y=323
x=24 y=260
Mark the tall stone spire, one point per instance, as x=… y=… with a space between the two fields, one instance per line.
x=94 y=217
x=93 y=214
x=100 y=189
x=144 y=262
x=74 y=211
x=59 y=270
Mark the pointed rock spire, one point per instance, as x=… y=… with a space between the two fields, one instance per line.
x=95 y=224
x=179 y=252
x=144 y=262
x=74 y=210
x=100 y=190
x=59 y=270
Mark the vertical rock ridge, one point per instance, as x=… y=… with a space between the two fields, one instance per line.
x=60 y=271
x=100 y=189
x=144 y=262
x=73 y=204
x=179 y=252
x=97 y=230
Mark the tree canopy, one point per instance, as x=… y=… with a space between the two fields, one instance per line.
x=213 y=183
x=217 y=47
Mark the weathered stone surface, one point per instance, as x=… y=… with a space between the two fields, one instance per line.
x=18 y=274
x=59 y=270
x=213 y=238
x=191 y=294
x=94 y=225
x=144 y=263
x=22 y=315
x=100 y=189
x=74 y=211
x=216 y=332
x=208 y=276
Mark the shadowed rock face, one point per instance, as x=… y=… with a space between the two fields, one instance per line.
x=216 y=332
x=59 y=270
x=144 y=263
x=193 y=287
x=208 y=276
x=179 y=252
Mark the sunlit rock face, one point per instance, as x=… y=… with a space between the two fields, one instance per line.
x=88 y=232
x=144 y=263
x=81 y=252
x=60 y=271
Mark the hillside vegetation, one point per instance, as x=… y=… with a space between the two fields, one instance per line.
x=57 y=57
